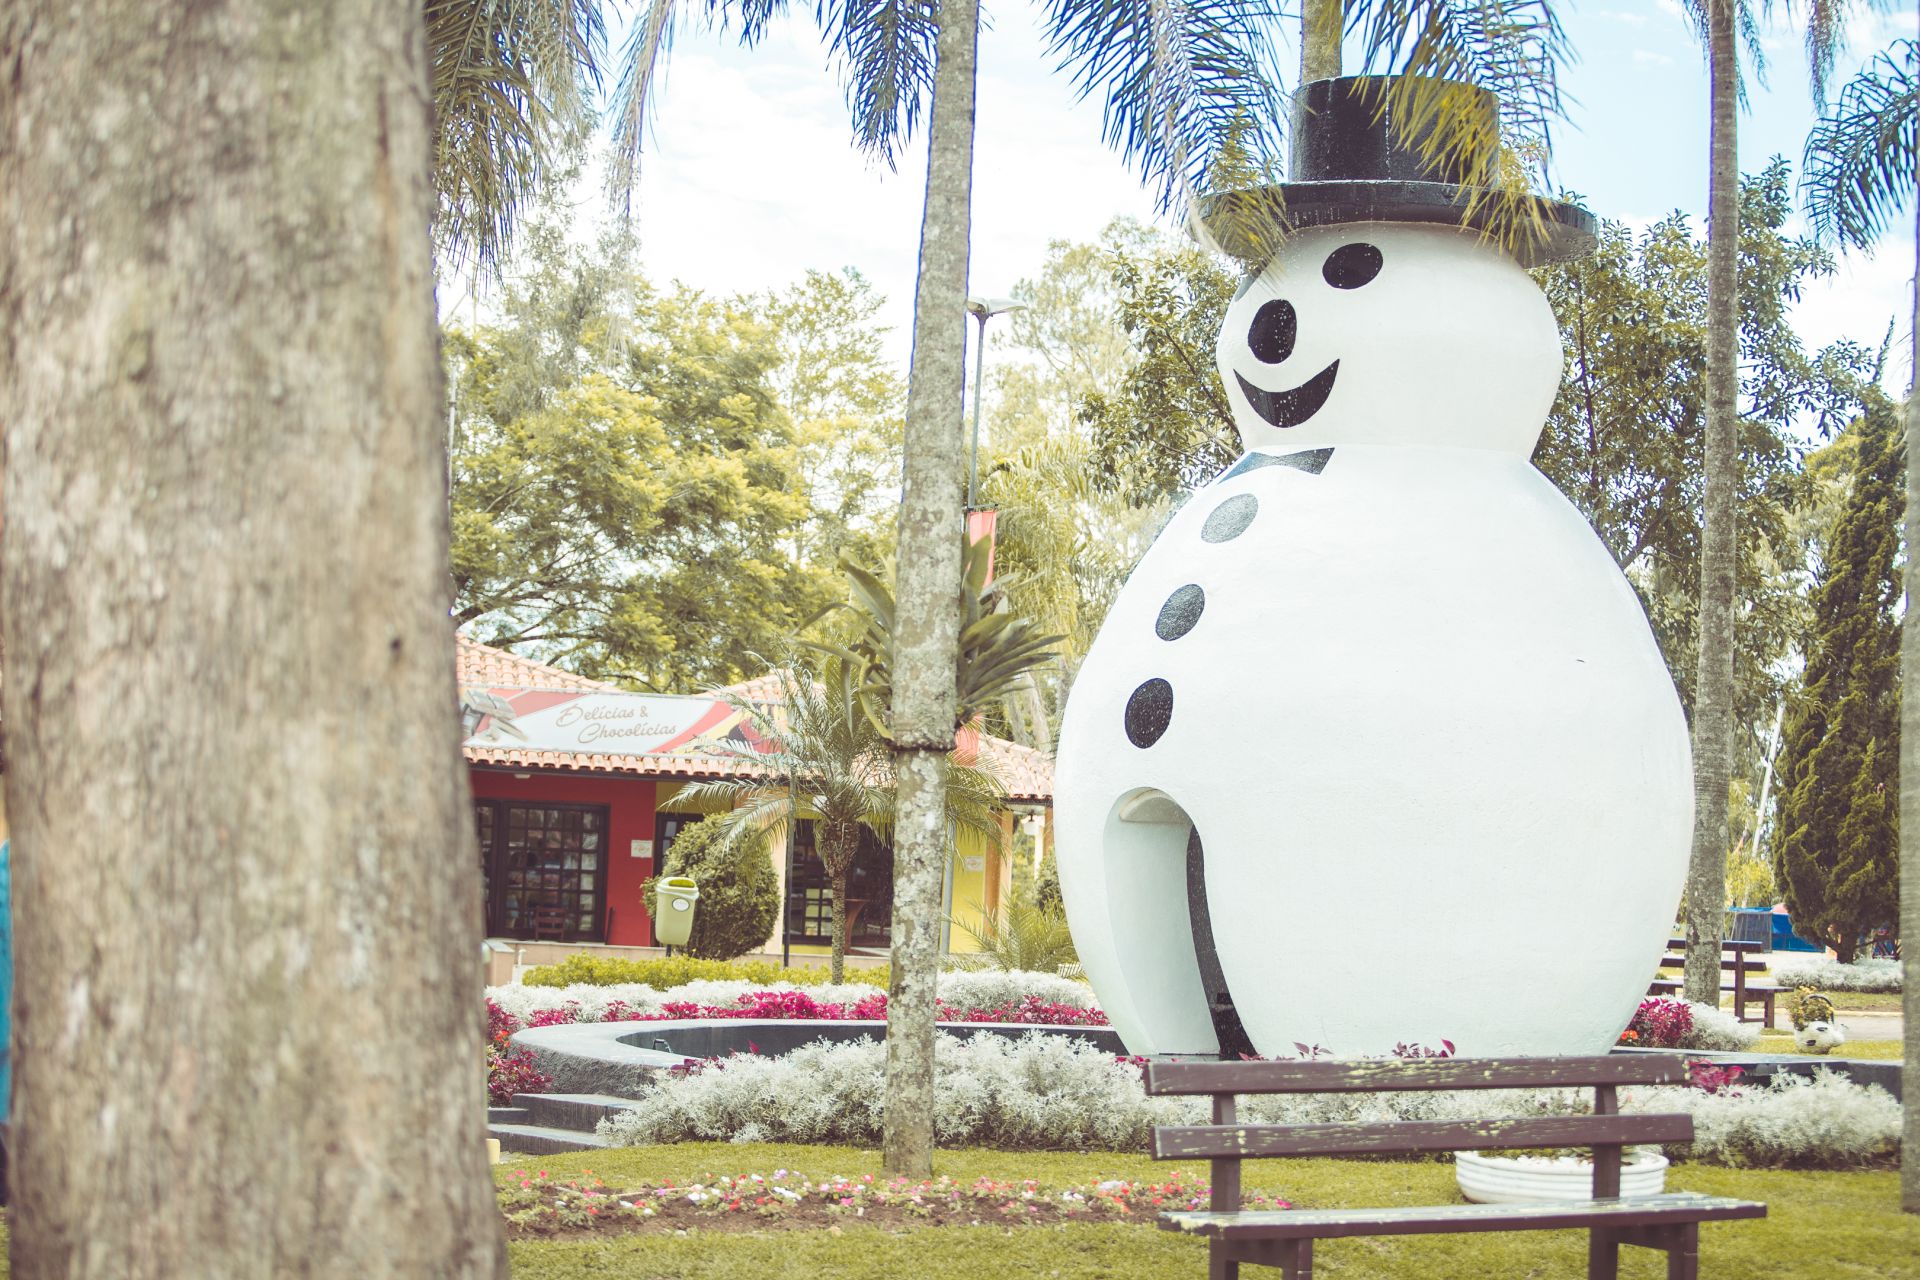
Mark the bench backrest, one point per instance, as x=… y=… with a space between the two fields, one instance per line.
x=1226 y=1143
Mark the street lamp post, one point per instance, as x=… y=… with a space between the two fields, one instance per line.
x=983 y=310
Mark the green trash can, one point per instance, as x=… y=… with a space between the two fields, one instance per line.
x=674 y=923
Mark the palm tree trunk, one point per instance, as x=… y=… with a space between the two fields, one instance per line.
x=250 y=1028
x=838 y=966
x=927 y=634
x=1320 y=29
x=1910 y=780
x=1713 y=685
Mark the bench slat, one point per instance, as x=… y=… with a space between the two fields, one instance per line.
x=1325 y=1224
x=1172 y=1142
x=1381 y=1075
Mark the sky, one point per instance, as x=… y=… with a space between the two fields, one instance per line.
x=750 y=177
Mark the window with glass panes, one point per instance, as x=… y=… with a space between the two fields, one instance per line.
x=869 y=892
x=545 y=867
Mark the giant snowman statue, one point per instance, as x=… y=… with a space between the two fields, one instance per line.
x=1375 y=746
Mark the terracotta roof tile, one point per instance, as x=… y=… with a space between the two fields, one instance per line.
x=1026 y=773
x=480 y=664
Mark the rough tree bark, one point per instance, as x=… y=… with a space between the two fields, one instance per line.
x=249 y=1019
x=1713 y=685
x=927 y=631
x=839 y=846
x=1321 y=22
x=1910 y=780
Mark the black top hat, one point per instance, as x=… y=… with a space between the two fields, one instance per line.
x=1352 y=164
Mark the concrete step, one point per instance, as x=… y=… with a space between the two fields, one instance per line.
x=508 y=1115
x=581 y=1111
x=538 y=1140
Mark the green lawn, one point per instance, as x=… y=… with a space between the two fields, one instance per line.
x=1876 y=1050
x=1823 y=1226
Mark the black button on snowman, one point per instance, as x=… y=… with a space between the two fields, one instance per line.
x=1377 y=711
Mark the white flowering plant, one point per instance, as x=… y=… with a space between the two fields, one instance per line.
x=1827 y=974
x=1042 y=1092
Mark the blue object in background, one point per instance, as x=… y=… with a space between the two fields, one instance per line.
x=1784 y=938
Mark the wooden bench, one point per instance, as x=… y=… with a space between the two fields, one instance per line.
x=1735 y=956
x=1284 y=1238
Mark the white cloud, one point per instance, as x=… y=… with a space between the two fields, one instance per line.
x=1859 y=300
x=1648 y=58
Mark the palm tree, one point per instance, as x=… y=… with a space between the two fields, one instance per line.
x=1713 y=687
x=1723 y=24
x=818 y=751
x=1860 y=167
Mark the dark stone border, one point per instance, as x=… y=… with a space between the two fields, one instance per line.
x=623 y=1059
x=1765 y=1066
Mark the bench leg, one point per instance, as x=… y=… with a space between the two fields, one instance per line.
x=1603 y=1255
x=1683 y=1256
x=1219 y=1265
x=1302 y=1268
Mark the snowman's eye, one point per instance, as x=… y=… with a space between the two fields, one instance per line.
x=1272 y=332
x=1351 y=265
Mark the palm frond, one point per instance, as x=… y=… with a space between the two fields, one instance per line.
x=997 y=647
x=1859 y=167
x=511 y=81
x=1186 y=84
x=633 y=100
x=885 y=52
x=1511 y=47
x=1021 y=936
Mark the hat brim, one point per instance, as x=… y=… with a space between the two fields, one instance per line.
x=1250 y=224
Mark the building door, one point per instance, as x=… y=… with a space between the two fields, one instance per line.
x=545 y=868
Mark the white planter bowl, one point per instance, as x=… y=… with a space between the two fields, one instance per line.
x=1487 y=1179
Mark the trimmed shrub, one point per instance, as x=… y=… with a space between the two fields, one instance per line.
x=1827 y=1122
x=1053 y=1093
x=992 y=988
x=1828 y=974
x=739 y=892
x=663 y=973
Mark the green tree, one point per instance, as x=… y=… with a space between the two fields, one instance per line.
x=1625 y=440
x=739 y=892
x=634 y=495
x=1836 y=856
x=1165 y=428
x=1861 y=165
x=819 y=750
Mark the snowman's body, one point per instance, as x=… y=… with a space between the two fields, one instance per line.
x=1381 y=692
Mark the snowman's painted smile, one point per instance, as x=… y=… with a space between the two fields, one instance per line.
x=1285 y=409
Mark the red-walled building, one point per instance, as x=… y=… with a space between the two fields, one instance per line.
x=567 y=776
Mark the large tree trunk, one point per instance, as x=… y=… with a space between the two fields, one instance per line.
x=249 y=1019
x=1910 y=782
x=1713 y=685
x=1320 y=30
x=927 y=632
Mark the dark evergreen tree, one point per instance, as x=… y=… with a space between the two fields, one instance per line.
x=1837 y=854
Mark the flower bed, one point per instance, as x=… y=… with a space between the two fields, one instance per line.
x=535 y=1205
x=789 y=1005
x=1669 y=1022
x=1041 y=1092
x=959 y=991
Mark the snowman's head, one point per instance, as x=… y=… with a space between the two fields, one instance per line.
x=1390 y=333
